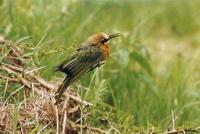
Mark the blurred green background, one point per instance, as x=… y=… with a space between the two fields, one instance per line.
x=153 y=70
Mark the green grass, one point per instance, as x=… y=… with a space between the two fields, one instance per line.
x=153 y=68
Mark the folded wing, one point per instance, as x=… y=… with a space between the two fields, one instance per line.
x=81 y=62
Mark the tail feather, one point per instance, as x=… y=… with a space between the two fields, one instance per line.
x=75 y=69
x=61 y=90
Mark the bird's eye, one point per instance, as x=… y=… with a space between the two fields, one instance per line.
x=103 y=40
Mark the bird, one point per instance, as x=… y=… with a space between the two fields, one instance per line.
x=89 y=55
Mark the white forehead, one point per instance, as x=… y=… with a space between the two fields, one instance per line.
x=105 y=35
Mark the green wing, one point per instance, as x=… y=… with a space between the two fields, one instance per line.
x=80 y=62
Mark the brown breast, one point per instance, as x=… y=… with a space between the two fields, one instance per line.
x=105 y=48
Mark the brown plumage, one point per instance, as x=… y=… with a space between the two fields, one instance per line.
x=91 y=54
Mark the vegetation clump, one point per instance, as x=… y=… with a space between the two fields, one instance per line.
x=18 y=72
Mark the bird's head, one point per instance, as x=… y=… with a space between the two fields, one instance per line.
x=101 y=38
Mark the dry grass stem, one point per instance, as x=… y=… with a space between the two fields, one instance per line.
x=38 y=100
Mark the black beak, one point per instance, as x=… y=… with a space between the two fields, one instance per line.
x=113 y=35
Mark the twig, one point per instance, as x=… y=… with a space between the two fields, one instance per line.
x=43 y=82
x=180 y=131
x=79 y=100
x=78 y=126
x=91 y=128
x=65 y=106
x=64 y=121
x=37 y=78
x=8 y=70
x=21 y=128
x=9 y=79
x=24 y=81
x=14 y=68
x=44 y=128
x=57 y=120
x=5 y=89
x=72 y=110
x=34 y=70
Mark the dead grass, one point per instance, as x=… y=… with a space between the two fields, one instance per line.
x=37 y=104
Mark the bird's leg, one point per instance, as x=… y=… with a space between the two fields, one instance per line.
x=101 y=63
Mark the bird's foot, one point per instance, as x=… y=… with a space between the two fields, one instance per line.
x=101 y=63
